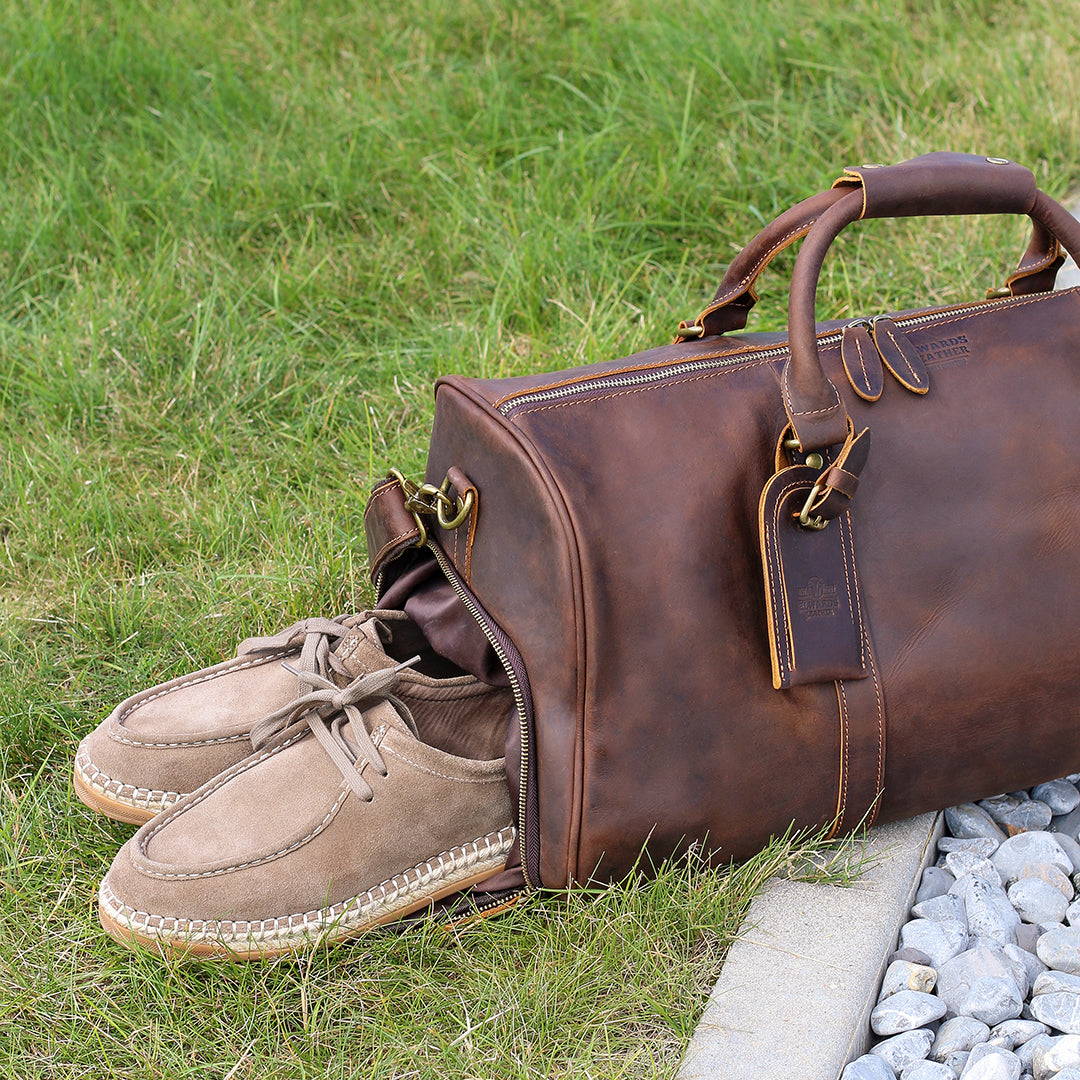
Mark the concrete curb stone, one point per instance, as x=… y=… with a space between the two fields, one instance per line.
x=795 y=993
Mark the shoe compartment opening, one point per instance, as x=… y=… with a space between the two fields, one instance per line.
x=470 y=721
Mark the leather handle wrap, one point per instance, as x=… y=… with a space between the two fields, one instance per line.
x=817 y=414
x=942 y=183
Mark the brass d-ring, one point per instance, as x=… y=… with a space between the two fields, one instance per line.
x=464 y=506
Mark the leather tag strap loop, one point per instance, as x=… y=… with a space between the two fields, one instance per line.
x=862 y=747
x=836 y=486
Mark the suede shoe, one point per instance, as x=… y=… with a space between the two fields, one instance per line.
x=355 y=812
x=164 y=742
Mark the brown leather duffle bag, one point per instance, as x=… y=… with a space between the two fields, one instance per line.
x=748 y=580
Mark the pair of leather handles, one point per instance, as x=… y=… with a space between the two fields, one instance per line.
x=935 y=184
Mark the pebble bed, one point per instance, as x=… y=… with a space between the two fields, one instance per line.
x=985 y=984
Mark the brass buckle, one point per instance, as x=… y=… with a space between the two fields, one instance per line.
x=425 y=499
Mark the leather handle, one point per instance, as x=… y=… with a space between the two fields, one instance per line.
x=942 y=183
x=817 y=414
x=730 y=307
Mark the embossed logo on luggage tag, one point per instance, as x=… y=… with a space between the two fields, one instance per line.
x=811 y=588
x=818 y=600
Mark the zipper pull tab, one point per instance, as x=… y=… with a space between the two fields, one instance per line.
x=862 y=362
x=899 y=355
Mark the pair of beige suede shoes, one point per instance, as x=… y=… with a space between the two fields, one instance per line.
x=328 y=779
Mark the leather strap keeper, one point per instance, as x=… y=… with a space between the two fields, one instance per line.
x=389 y=527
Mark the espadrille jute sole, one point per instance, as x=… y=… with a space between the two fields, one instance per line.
x=409 y=892
x=113 y=808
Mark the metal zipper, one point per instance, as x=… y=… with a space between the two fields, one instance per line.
x=657 y=375
x=518 y=685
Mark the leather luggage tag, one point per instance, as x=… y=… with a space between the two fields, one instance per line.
x=811 y=588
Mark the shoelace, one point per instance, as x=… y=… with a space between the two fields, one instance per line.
x=328 y=709
x=315 y=650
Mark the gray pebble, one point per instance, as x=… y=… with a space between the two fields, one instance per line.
x=1026 y=849
x=935 y=882
x=1029 y=963
x=991 y=1063
x=1018 y=815
x=1054 y=1055
x=1052 y=875
x=1068 y=1073
x=968 y=820
x=1059 y=949
x=901 y=975
x=927 y=1070
x=1070 y=846
x=1026 y=1052
x=947 y=908
x=981 y=984
x=1027 y=935
x=1072 y=913
x=1067 y=824
x=959 y=863
x=901 y=1050
x=1061 y=796
x=1014 y=1033
x=1059 y=1010
x=868 y=1067
x=911 y=956
x=987 y=1062
x=1036 y=901
x=1056 y=982
x=981 y=845
x=939 y=942
x=957 y=1060
x=1018 y=968
x=989 y=913
x=958 y=1035
x=906 y=1010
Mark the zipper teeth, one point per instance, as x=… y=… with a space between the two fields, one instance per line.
x=515 y=686
x=603 y=382
x=502 y=901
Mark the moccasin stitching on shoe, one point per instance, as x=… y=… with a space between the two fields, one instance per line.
x=256 y=841
x=391 y=899
x=168 y=740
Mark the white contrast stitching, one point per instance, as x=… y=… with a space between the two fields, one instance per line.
x=433 y=772
x=402 y=888
x=206 y=677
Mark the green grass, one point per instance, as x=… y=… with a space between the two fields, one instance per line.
x=238 y=242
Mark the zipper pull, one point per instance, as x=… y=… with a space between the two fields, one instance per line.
x=862 y=361
x=899 y=355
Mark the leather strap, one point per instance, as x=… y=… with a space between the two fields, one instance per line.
x=861 y=767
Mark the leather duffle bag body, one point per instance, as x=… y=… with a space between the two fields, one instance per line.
x=746 y=580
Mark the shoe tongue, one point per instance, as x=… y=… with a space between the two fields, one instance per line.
x=361 y=649
x=381 y=714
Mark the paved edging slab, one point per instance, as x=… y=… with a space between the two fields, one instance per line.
x=794 y=996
